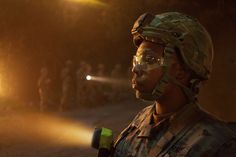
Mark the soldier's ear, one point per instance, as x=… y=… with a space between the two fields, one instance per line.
x=181 y=74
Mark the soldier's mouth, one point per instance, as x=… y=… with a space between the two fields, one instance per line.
x=138 y=83
x=134 y=84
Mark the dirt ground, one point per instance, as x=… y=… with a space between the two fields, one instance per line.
x=114 y=116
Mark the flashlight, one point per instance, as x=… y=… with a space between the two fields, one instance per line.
x=88 y=77
x=102 y=140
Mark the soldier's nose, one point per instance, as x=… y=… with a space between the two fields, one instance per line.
x=137 y=69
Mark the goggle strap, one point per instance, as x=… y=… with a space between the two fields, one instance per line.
x=161 y=86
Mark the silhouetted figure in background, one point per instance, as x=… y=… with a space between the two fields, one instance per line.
x=101 y=88
x=89 y=88
x=68 y=86
x=44 y=89
x=116 y=89
x=80 y=83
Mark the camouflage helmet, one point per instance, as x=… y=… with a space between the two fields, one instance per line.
x=184 y=33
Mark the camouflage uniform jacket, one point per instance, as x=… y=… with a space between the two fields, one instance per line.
x=189 y=132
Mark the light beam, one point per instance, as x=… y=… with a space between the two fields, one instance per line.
x=108 y=80
x=40 y=128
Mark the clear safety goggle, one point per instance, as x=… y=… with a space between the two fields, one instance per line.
x=148 y=59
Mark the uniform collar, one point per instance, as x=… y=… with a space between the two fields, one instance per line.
x=146 y=124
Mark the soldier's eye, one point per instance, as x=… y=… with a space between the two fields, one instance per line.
x=150 y=59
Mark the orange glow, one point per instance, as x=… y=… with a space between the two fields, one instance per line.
x=89 y=2
x=38 y=128
x=3 y=87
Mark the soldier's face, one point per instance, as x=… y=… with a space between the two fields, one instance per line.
x=147 y=69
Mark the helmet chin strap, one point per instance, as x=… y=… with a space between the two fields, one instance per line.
x=165 y=79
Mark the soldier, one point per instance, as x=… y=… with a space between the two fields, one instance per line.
x=116 y=88
x=44 y=89
x=100 y=70
x=80 y=82
x=68 y=86
x=128 y=89
x=174 y=56
x=88 y=88
x=100 y=87
x=116 y=71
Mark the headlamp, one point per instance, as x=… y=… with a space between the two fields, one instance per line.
x=88 y=77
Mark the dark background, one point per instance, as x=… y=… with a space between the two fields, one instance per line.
x=48 y=32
